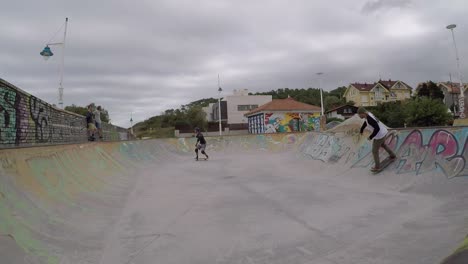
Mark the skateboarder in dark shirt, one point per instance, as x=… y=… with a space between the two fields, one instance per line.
x=201 y=143
x=91 y=127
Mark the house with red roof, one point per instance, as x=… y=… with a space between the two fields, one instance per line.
x=284 y=115
x=451 y=92
x=370 y=94
x=452 y=95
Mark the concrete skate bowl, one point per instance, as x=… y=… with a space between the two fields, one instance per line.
x=287 y=198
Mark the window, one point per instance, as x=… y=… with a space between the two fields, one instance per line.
x=378 y=93
x=243 y=108
x=246 y=107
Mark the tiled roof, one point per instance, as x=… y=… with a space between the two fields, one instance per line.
x=363 y=86
x=288 y=104
x=366 y=87
x=388 y=84
x=454 y=86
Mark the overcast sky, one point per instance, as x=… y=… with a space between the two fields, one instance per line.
x=146 y=56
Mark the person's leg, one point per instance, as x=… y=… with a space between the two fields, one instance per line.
x=375 y=152
x=99 y=129
x=196 y=151
x=202 y=148
x=389 y=151
x=90 y=132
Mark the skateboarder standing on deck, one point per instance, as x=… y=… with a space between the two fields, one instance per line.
x=201 y=143
x=379 y=133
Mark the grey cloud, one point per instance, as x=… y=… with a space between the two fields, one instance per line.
x=374 y=6
x=149 y=56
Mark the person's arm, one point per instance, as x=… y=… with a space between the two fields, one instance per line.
x=375 y=125
x=363 y=127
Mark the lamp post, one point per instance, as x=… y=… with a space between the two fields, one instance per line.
x=131 y=124
x=46 y=53
x=219 y=107
x=461 y=99
x=321 y=95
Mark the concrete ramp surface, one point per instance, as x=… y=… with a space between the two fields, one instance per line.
x=277 y=199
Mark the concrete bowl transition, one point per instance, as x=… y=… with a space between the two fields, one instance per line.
x=274 y=198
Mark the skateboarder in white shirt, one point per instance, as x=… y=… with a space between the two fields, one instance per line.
x=379 y=133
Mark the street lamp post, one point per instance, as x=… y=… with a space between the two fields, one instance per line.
x=131 y=124
x=219 y=107
x=321 y=95
x=461 y=99
x=46 y=53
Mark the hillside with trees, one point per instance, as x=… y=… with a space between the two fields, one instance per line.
x=191 y=114
x=163 y=125
x=426 y=109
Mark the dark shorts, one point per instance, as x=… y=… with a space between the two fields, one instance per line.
x=201 y=147
x=98 y=125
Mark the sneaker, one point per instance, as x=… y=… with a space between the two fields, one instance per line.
x=375 y=169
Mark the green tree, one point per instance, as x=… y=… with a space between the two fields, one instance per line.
x=431 y=90
x=435 y=91
x=422 y=112
x=196 y=117
x=338 y=92
x=423 y=90
x=391 y=114
x=331 y=102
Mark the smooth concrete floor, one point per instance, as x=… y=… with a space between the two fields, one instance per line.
x=280 y=209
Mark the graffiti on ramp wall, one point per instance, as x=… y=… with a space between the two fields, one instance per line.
x=291 y=122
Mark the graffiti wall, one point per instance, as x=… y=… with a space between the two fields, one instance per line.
x=291 y=122
x=26 y=120
x=419 y=151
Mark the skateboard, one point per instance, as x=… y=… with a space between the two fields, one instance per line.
x=384 y=164
x=201 y=159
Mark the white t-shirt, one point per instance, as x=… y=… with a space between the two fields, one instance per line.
x=97 y=116
x=383 y=130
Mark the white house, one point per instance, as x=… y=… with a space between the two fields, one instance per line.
x=235 y=106
x=240 y=103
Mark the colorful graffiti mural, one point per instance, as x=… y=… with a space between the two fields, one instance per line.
x=419 y=151
x=26 y=120
x=291 y=122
